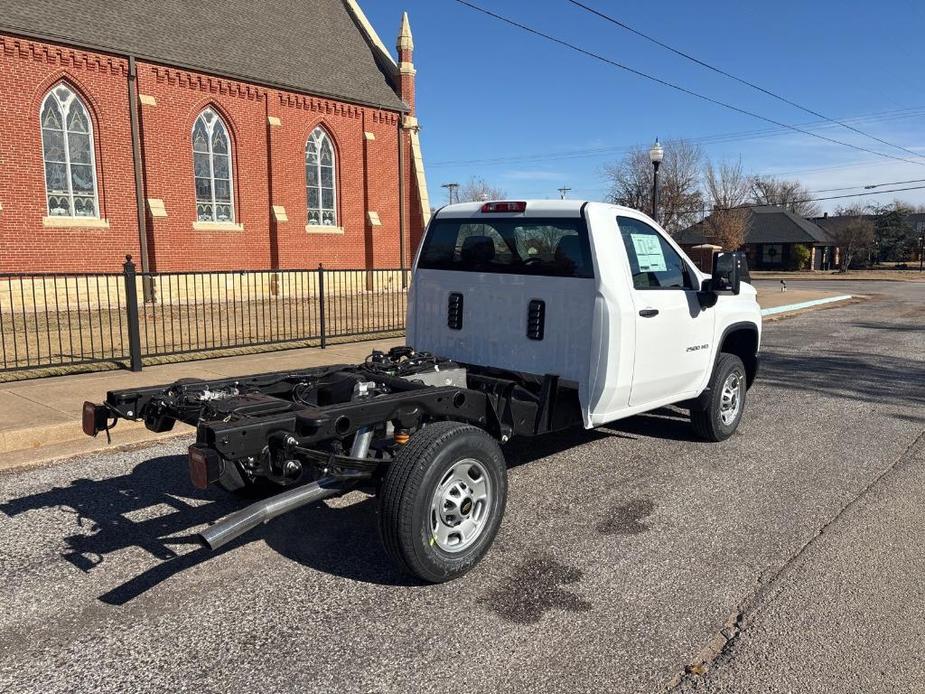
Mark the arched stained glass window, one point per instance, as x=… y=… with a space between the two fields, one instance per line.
x=321 y=180
x=212 y=169
x=67 y=150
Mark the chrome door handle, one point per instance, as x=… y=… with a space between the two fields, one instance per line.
x=648 y=312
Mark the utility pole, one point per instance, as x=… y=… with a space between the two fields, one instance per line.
x=452 y=189
x=562 y=192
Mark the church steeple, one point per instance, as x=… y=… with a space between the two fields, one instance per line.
x=405 y=47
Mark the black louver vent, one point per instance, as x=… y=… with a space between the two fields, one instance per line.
x=454 y=311
x=536 y=319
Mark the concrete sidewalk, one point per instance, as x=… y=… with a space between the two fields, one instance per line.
x=40 y=418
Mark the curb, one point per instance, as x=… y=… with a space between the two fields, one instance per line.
x=804 y=304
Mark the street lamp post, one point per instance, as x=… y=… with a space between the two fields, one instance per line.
x=656 y=154
x=921 y=251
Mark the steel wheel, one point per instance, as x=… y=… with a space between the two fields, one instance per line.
x=731 y=398
x=460 y=506
x=442 y=499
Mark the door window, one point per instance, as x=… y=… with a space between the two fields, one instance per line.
x=653 y=262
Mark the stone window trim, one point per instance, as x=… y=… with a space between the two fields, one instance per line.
x=315 y=229
x=218 y=226
x=61 y=222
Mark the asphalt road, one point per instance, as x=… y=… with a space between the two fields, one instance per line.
x=623 y=554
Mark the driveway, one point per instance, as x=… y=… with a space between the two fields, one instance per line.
x=623 y=554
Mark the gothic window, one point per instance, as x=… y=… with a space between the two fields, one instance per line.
x=67 y=150
x=212 y=169
x=321 y=181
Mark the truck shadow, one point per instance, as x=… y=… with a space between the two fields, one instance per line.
x=155 y=508
x=152 y=508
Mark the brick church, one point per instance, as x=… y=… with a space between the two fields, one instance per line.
x=205 y=136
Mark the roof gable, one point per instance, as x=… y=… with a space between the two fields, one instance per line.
x=316 y=47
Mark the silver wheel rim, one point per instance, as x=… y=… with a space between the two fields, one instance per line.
x=460 y=506
x=731 y=401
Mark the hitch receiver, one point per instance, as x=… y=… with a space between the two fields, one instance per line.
x=95 y=418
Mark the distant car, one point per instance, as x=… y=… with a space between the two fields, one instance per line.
x=524 y=318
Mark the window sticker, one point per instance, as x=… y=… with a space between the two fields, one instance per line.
x=649 y=253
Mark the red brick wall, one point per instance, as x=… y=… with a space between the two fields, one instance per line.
x=168 y=156
x=268 y=161
x=27 y=71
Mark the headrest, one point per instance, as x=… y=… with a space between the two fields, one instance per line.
x=478 y=249
x=568 y=250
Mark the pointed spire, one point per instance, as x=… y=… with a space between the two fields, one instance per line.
x=405 y=42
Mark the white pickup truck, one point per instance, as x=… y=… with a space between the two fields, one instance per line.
x=524 y=318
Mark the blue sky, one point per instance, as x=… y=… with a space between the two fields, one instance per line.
x=530 y=116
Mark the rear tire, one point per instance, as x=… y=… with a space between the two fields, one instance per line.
x=441 y=501
x=725 y=400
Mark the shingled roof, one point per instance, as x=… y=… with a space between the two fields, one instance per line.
x=314 y=46
x=837 y=222
x=767 y=224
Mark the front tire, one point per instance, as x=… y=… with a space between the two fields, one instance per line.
x=441 y=501
x=718 y=419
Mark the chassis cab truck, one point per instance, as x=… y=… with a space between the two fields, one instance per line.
x=524 y=318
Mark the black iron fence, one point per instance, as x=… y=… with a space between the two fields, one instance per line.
x=50 y=320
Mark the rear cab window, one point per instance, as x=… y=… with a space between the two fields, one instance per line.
x=552 y=247
x=654 y=263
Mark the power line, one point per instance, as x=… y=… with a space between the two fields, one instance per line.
x=740 y=80
x=750 y=206
x=676 y=87
x=869 y=186
x=866 y=186
x=717 y=138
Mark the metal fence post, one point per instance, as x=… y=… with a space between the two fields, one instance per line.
x=321 y=304
x=131 y=308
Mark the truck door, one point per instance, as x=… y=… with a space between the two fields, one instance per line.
x=673 y=333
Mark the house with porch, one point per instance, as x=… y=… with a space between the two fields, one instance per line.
x=771 y=235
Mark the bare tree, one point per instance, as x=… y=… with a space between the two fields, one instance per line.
x=854 y=235
x=680 y=199
x=791 y=195
x=478 y=189
x=728 y=189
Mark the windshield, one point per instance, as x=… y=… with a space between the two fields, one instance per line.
x=555 y=247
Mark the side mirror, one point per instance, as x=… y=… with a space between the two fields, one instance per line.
x=728 y=271
x=706 y=296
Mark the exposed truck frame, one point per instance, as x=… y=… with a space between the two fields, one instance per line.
x=422 y=431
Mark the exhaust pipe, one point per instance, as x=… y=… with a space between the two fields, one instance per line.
x=240 y=522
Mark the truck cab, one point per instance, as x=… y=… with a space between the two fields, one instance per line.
x=598 y=295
